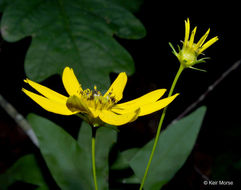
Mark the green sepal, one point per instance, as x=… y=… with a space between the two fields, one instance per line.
x=173 y=49
x=202 y=70
x=202 y=60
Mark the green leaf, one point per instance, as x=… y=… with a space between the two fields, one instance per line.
x=131 y=180
x=75 y=33
x=133 y=5
x=25 y=169
x=123 y=159
x=66 y=161
x=105 y=138
x=3 y=4
x=174 y=146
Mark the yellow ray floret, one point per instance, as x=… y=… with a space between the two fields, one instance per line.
x=49 y=104
x=70 y=82
x=117 y=87
x=95 y=108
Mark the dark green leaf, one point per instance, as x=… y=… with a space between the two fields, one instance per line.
x=67 y=162
x=105 y=138
x=25 y=169
x=3 y=4
x=133 y=5
x=174 y=146
x=75 y=33
x=124 y=158
x=131 y=180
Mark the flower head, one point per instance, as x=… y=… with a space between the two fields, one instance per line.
x=187 y=56
x=94 y=107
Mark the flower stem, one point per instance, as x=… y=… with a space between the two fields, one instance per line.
x=159 y=126
x=93 y=156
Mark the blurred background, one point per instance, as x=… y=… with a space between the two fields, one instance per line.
x=216 y=154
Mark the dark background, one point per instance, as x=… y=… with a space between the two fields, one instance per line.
x=216 y=154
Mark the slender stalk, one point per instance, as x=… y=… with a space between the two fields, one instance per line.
x=19 y=119
x=93 y=156
x=159 y=126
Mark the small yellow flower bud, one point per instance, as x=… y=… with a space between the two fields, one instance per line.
x=190 y=51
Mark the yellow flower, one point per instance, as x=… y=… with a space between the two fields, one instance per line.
x=94 y=107
x=187 y=56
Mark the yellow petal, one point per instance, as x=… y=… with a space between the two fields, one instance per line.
x=202 y=40
x=208 y=44
x=187 y=31
x=48 y=104
x=71 y=84
x=48 y=93
x=94 y=112
x=192 y=37
x=116 y=119
x=136 y=103
x=153 y=107
x=116 y=89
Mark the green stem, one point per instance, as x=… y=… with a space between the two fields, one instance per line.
x=160 y=125
x=93 y=156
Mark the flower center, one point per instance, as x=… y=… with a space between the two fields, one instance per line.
x=90 y=99
x=188 y=56
x=94 y=99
